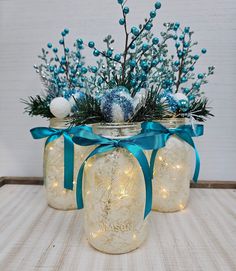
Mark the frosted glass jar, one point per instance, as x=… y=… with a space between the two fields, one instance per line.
x=114 y=195
x=57 y=196
x=173 y=171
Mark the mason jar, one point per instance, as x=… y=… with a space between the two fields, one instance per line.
x=114 y=195
x=173 y=170
x=57 y=196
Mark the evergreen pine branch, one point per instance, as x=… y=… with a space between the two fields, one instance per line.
x=200 y=110
x=37 y=106
x=152 y=108
x=87 y=111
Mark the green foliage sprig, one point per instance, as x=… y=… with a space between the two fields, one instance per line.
x=37 y=106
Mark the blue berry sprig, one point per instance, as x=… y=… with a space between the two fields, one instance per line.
x=178 y=75
x=62 y=72
x=130 y=68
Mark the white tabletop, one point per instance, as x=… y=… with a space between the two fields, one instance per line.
x=36 y=237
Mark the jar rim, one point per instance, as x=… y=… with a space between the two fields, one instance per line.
x=58 y=122
x=118 y=125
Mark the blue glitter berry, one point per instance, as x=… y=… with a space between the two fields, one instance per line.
x=153 y=14
x=94 y=69
x=96 y=53
x=183 y=105
x=118 y=57
x=49 y=45
x=155 y=41
x=158 y=5
x=126 y=10
x=148 y=26
x=145 y=47
x=80 y=41
x=122 y=21
x=91 y=44
x=135 y=31
x=200 y=76
x=109 y=53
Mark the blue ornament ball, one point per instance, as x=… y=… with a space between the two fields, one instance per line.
x=183 y=105
x=117 y=105
x=171 y=102
x=71 y=95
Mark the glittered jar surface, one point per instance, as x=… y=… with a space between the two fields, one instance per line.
x=114 y=199
x=173 y=171
x=57 y=196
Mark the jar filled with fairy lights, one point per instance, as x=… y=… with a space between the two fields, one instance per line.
x=114 y=195
x=57 y=196
x=173 y=170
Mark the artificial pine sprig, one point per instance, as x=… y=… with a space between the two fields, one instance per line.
x=37 y=106
x=200 y=110
x=151 y=109
x=88 y=111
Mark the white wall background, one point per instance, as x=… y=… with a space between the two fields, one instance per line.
x=27 y=25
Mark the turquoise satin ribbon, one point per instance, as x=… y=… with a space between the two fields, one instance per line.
x=185 y=132
x=135 y=145
x=53 y=134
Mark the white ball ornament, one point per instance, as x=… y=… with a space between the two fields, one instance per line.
x=180 y=96
x=60 y=107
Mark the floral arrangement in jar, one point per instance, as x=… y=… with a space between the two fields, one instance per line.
x=62 y=72
x=130 y=113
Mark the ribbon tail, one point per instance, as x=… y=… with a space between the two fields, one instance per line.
x=152 y=161
x=197 y=166
x=68 y=162
x=143 y=162
x=79 y=188
x=186 y=136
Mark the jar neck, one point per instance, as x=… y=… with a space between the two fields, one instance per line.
x=173 y=122
x=117 y=130
x=59 y=123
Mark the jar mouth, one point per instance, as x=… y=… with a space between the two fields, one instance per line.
x=60 y=123
x=118 y=125
x=117 y=130
x=172 y=119
x=173 y=122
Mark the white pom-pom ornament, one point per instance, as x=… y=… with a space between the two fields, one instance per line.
x=180 y=96
x=60 y=107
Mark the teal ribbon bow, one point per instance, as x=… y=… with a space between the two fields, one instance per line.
x=135 y=145
x=185 y=132
x=53 y=134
